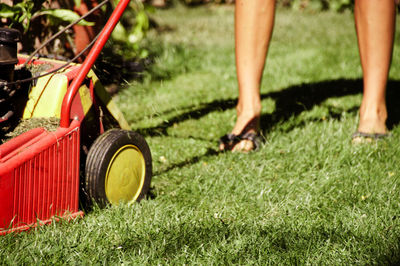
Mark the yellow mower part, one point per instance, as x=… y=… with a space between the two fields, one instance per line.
x=125 y=175
x=106 y=99
x=46 y=97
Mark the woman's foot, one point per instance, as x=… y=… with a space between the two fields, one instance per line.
x=373 y=120
x=371 y=126
x=245 y=134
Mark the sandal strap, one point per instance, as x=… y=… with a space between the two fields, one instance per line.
x=229 y=141
x=228 y=138
x=374 y=136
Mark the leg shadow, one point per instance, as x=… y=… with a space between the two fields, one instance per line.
x=289 y=102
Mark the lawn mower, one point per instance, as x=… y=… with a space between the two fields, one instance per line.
x=68 y=142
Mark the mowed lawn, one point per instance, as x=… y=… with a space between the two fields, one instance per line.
x=308 y=196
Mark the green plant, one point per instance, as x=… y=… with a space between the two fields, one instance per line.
x=132 y=30
x=23 y=13
x=37 y=20
x=341 y=5
x=319 y=5
x=314 y=5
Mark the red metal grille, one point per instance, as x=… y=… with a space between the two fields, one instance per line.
x=47 y=183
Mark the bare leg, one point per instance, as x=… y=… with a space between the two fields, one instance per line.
x=375 y=24
x=254 y=21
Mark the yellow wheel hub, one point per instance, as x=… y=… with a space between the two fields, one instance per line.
x=125 y=175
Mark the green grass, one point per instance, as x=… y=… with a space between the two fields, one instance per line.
x=306 y=197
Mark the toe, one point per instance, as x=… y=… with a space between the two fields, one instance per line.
x=243 y=146
x=361 y=140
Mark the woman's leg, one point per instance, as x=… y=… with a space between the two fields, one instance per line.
x=375 y=24
x=254 y=21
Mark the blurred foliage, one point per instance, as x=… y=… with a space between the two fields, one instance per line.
x=21 y=14
x=130 y=32
x=318 y=5
x=38 y=20
x=198 y=2
x=314 y=5
x=126 y=53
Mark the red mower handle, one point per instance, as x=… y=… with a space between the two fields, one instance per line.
x=89 y=61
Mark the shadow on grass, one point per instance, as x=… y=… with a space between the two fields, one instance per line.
x=289 y=102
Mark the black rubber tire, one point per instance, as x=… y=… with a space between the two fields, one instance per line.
x=99 y=157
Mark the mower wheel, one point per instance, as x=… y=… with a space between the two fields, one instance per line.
x=118 y=168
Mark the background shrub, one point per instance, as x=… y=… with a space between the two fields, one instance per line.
x=318 y=5
x=314 y=5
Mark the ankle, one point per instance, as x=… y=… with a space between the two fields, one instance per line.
x=372 y=120
x=378 y=113
x=248 y=110
x=247 y=120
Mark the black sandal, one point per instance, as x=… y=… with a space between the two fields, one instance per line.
x=359 y=137
x=230 y=140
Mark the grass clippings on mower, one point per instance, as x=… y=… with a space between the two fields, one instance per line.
x=37 y=69
x=48 y=123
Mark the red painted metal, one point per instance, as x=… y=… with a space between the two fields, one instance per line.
x=66 y=216
x=22 y=139
x=89 y=61
x=40 y=178
x=39 y=170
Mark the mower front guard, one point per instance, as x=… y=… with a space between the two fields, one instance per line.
x=40 y=170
